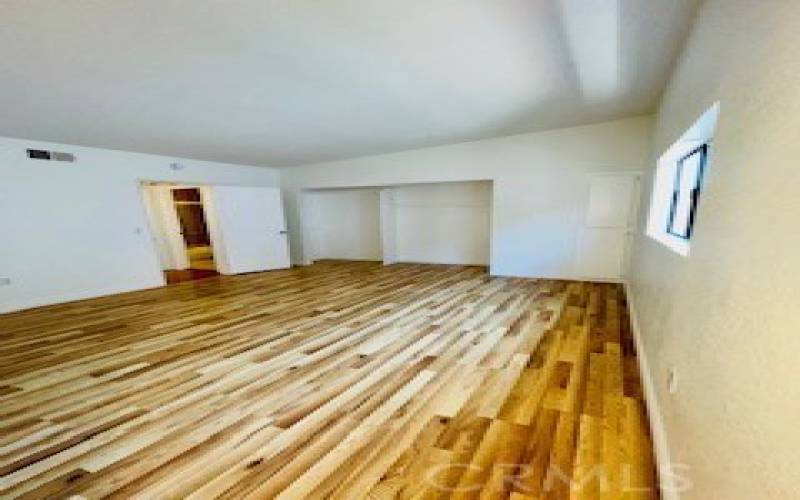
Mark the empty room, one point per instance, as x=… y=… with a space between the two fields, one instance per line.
x=383 y=249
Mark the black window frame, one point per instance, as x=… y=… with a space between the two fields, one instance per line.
x=695 y=195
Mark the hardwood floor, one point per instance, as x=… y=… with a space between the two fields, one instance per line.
x=173 y=276
x=340 y=380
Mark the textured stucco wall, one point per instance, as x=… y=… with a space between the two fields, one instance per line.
x=726 y=317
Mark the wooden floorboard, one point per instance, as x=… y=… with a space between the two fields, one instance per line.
x=337 y=380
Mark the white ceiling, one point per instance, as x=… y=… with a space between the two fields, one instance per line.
x=288 y=82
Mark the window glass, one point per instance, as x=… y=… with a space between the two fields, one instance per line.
x=685 y=195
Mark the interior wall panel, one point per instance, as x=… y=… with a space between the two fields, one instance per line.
x=343 y=224
x=443 y=223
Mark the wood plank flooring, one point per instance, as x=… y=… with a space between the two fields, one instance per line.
x=174 y=276
x=339 y=380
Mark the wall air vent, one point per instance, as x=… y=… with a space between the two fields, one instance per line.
x=41 y=154
x=38 y=154
x=57 y=156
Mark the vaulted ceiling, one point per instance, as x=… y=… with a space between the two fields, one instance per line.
x=289 y=82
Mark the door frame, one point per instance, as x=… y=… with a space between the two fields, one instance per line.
x=630 y=229
x=212 y=225
x=388 y=226
x=156 y=209
x=386 y=191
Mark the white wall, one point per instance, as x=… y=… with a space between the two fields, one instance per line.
x=725 y=317
x=388 y=227
x=443 y=223
x=541 y=186
x=343 y=224
x=78 y=230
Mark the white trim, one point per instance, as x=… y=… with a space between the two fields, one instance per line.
x=306 y=243
x=669 y=490
x=701 y=132
x=388 y=226
x=77 y=296
x=214 y=228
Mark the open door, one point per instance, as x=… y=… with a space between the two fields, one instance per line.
x=252 y=227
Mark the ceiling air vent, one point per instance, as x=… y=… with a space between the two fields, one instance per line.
x=41 y=154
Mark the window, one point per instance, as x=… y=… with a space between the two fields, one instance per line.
x=685 y=193
x=678 y=184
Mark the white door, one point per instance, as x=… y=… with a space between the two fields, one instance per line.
x=604 y=242
x=252 y=228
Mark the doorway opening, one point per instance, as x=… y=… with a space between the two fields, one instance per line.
x=181 y=231
x=194 y=229
x=196 y=236
x=430 y=223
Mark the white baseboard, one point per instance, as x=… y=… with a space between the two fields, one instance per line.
x=669 y=490
x=78 y=295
